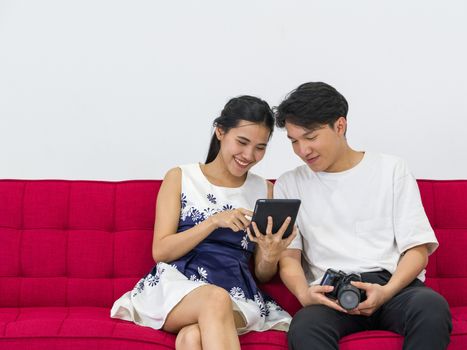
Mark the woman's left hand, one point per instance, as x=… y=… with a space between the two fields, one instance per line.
x=271 y=245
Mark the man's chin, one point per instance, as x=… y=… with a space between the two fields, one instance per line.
x=314 y=166
x=318 y=168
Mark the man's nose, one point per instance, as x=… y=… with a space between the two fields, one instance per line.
x=303 y=149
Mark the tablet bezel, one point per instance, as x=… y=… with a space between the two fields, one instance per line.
x=279 y=209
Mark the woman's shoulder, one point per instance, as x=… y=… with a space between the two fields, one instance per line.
x=172 y=178
x=178 y=170
x=173 y=173
x=191 y=167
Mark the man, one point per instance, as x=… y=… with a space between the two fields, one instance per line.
x=361 y=213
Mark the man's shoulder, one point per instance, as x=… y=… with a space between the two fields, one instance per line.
x=393 y=162
x=390 y=158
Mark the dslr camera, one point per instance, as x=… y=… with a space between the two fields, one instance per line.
x=348 y=295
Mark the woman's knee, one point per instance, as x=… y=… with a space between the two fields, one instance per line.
x=189 y=337
x=217 y=300
x=205 y=302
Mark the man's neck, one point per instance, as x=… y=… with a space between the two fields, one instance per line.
x=348 y=159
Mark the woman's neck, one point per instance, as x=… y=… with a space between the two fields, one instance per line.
x=218 y=174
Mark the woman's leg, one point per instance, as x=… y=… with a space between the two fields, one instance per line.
x=189 y=338
x=211 y=308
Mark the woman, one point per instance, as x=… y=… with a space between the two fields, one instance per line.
x=201 y=286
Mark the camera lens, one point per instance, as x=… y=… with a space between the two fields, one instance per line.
x=349 y=297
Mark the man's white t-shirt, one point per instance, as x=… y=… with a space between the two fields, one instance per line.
x=358 y=220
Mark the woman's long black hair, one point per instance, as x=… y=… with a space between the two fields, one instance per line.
x=248 y=108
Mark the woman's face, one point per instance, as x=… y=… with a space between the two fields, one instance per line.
x=243 y=146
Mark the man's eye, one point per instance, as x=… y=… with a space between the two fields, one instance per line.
x=242 y=142
x=293 y=141
x=312 y=138
x=261 y=148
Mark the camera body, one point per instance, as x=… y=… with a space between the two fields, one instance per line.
x=348 y=295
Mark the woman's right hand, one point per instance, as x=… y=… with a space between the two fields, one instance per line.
x=234 y=219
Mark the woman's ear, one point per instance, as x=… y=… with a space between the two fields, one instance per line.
x=219 y=133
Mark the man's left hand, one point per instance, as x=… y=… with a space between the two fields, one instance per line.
x=376 y=295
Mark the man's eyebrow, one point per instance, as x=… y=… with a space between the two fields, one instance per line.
x=304 y=134
x=315 y=128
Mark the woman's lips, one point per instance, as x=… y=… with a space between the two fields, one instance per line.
x=241 y=163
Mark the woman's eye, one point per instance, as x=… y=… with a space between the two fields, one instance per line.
x=312 y=138
x=242 y=142
x=261 y=148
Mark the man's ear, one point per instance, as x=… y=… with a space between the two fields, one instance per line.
x=219 y=133
x=340 y=126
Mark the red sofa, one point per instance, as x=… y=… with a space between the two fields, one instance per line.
x=68 y=249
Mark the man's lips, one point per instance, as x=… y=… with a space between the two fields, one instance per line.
x=312 y=160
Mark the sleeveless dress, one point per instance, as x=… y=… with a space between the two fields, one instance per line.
x=222 y=259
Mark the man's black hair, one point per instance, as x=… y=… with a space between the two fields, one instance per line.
x=311 y=106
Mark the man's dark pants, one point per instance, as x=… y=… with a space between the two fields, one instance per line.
x=417 y=312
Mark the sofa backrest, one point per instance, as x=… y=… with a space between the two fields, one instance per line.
x=85 y=243
x=445 y=204
x=73 y=243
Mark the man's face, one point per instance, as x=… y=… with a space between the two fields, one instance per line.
x=320 y=148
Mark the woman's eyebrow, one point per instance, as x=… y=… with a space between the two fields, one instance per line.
x=243 y=138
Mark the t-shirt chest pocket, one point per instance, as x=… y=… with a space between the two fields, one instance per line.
x=375 y=237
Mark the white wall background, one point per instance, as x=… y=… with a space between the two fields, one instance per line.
x=115 y=90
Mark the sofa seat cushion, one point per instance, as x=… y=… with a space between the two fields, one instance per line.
x=372 y=340
x=50 y=327
x=92 y=328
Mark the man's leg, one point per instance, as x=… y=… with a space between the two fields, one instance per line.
x=318 y=327
x=421 y=315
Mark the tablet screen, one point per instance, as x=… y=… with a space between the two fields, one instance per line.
x=279 y=210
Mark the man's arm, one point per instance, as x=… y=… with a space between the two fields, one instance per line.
x=411 y=264
x=291 y=272
x=412 y=229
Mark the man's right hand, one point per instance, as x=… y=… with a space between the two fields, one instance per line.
x=315 y=295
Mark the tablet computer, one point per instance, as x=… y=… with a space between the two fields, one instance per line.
x=279 y=210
